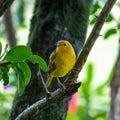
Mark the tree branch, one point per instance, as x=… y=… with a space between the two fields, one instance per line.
x=71 y=88
x=54 y=97
x=10 y=32
x=91 y=39
x=4 y=64
x=4 y=4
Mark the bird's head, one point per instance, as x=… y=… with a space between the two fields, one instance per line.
x=64 y=46
x=63 y=43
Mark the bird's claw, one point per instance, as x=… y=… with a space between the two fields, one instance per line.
x=61 y=86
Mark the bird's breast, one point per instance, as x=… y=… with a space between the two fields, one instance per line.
x=65 y=63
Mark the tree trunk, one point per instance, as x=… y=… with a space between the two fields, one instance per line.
x=115 y=92
x=52 y=20
x=9 y=28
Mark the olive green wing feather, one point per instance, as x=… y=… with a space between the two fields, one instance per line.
x=51 y=67
x=52 y=64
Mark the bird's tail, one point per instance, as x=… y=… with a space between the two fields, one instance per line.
x=48 y=81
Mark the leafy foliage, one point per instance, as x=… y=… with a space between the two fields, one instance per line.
x=95 y=7
x=16 y=59
x=6 y=99
x=38 y=59
x=109 y=18
x=110 y=32
x=18 y=53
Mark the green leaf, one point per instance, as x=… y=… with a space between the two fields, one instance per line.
x=95 y=8
x=93 y=21
x=21 y=79
x=26 y=71
x=5 y=69
x=15 y=67
x=110 y=32
x=86 y=86
x=85 y=91
x=24 y=74
x=38 y=59
x=4 y=74
x=90 y=73
x=21 y=85
x=0 y=76
x=18 y=53
x=0 y=48
x=109 y=18
x=5 y=78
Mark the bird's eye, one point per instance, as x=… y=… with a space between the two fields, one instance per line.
x=64 y=44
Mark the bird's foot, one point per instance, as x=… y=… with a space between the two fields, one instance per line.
x=61 y=86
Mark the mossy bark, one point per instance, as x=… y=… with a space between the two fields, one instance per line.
x=52 y=20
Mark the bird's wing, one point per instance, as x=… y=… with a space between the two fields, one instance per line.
x=52 y=64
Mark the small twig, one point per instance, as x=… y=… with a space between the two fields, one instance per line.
x=61 y=86
x=4 y=64
x=2 y=55
x=40 y=77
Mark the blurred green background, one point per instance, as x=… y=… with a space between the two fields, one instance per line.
x=92 y=102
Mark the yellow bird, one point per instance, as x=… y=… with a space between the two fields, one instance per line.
x=61 y=61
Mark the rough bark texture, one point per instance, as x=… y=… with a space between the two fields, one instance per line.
x=52 y=21
x=4 y=4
